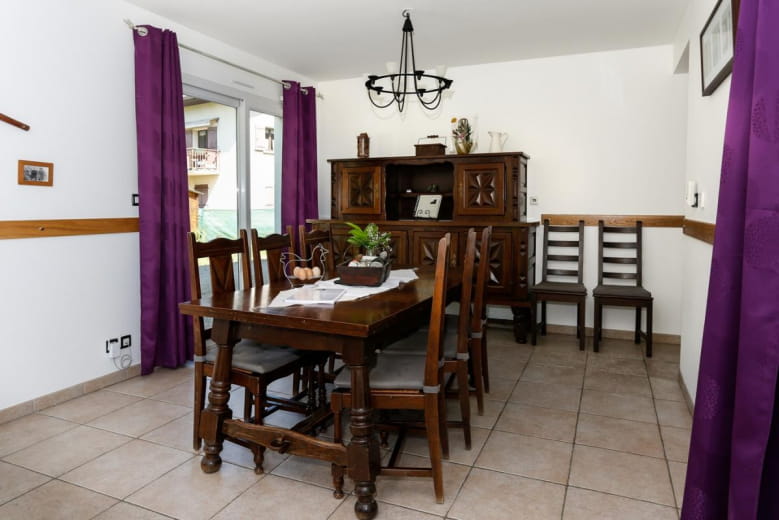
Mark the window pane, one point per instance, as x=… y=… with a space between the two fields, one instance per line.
x=263 y=128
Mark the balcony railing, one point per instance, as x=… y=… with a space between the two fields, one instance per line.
x=202 y=159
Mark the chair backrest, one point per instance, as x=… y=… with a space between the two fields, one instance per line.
x=479 y=314
x=318 y=237
x=466 y=293
x=555 y=251
x=632 y=244
x=435 y=334
x=273 y=246
x=219 y=253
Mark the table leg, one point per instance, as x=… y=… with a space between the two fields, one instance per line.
x=219 y=396
x=363 y=450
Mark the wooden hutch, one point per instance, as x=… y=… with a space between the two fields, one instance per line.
x=477 y=190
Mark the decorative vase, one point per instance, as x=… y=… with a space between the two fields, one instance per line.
x=462 y=146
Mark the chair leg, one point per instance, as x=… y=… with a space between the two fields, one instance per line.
x=296 y=382
x=596 y=326
x=649 y=330
x=477 y=359
x=259 y=411
x=485 y=365
x=443 y=429
x=434 y=441
x=580 y=324
x=533 y=319
x=465 y=400
x=543 y=317
x=637 y=336
x=248 y=399
x=200 y=399
x=337 y=471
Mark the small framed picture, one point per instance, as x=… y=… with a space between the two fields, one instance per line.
x=36 y=173
x=428 y=206
x=718 y=39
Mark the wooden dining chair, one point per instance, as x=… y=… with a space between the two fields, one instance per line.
x=255 y=365
x=567 y=287
x=308 y=240
x=408 y=382
x=621 y=295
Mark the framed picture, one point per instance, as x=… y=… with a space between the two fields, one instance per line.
x=428 y=206
x=36 y=173
x=718 y=39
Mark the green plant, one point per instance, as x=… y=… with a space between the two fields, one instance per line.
x=369 y=239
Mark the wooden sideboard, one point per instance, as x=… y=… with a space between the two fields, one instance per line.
x=477 y=190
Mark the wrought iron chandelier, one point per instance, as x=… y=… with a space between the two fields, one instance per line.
x=428 y=88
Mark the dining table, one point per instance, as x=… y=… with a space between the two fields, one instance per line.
x=353 y=329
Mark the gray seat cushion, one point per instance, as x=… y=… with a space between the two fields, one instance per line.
x=622 y=291
x=391 y=372
x=559 y=288
x=256 y=357
x=416 y=345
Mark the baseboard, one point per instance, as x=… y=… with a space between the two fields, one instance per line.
x=570 y=330
x=66 y=394
x=686 y=393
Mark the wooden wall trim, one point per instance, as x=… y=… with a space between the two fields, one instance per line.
x=701 y=230
x=70 y=227
x=615 y=220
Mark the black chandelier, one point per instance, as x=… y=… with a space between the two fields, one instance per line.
x=408 y=79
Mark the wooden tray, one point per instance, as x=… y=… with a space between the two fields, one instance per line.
x=366 y=276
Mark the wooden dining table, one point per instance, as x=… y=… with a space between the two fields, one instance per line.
x=354 y=329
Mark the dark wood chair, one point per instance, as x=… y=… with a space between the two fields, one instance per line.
x=621 y=295
x=408 y=382
x=567 y=286
x=318 y=237
x=255 y=366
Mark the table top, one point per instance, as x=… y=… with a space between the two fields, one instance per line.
x=360 y=318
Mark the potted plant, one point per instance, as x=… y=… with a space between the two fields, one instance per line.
x=370 y=240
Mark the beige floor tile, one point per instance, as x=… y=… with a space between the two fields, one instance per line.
x=620 y=406
x=187 y=492
x=15 y=481
x=663 y=369
x=56 y=499
x=139 y=418
x=562 y=397
x=241 y=456
x=567 y=358
x=620 y=348
x=285 y=498
x=126 y=469
x=678 y=475
x=28 y=430
x=284 y=419
x=673 y=413
x=532 y=457
x=125 y=511
x=617 y=383
x=492 y=410
x=665 y=352
x=417 y=445
x=311 y=471
x=666 y=389
x=619 y=434
x=553 y=374
x=182 y=395
x=624 y=474
x=147 y=386
x=563 y=343
x=386 y=512
x=176 y=434
x=559 y=425
x=91 y=406
x=500 y=389
x=582 y=504
x=417 y=492
x=676 y=442
x=504 y=337
x=281 y=386
x=61 y=453
x=489 y=494
x=505 y=370
x=617 y=365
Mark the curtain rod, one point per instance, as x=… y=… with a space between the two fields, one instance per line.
x=142 y=31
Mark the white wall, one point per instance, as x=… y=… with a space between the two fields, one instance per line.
x=68 y=72
x=605 y=133
x=705 y=132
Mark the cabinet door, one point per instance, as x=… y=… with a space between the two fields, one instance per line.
x=481 y=189
x=361 y=190
x=501 y=274
x=424 y=247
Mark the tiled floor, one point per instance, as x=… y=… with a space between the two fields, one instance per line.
x=565 y=435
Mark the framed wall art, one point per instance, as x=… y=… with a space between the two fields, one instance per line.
x=718 y=40
x=36 y=173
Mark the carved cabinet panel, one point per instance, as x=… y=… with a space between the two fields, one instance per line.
x=361 y=190
x=501 y=261
x=482 y=189
x=424 y=246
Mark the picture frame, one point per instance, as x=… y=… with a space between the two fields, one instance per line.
x=717 y=45
x=427 y=207
x=36 y=173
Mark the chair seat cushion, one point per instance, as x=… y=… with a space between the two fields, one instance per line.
x=622 y=291
x=559 y=288
x=416 y=345
x=396 y=372
x=256 y=357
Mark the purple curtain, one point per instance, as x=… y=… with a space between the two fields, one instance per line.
x=298 y=162
x=166 y=336
x=733 y=469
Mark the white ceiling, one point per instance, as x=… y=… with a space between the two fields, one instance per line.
x=332 y=39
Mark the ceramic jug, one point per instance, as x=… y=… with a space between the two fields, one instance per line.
x=497 y=140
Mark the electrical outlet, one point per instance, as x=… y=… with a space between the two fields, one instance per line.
x=134 y=200
x=533 y=200
x=112 y=348
x=126 y=341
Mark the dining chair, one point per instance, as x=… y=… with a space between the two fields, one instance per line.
x=408 y=382
x=255 y=365
x=567 y=287
x=621 y=295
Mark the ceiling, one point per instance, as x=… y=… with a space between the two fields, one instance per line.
x=333 y=39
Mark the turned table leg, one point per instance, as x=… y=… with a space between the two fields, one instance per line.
x=363 y=450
